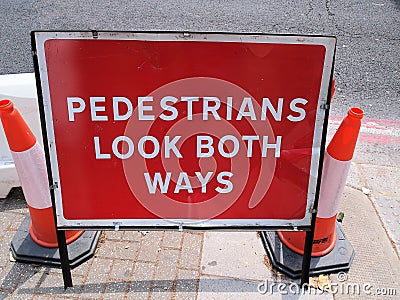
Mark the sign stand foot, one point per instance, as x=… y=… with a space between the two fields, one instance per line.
x=24 y=249
x=291 y=264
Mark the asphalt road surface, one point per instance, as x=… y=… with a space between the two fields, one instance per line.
x=368 y=51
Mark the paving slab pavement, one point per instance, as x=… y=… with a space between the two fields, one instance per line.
x=127 y=264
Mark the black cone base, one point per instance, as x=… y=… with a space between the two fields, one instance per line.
x=24 y=249
x=290 y=263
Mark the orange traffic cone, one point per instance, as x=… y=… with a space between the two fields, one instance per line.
x=333 y=87
x=336 y=166
x=28 y=156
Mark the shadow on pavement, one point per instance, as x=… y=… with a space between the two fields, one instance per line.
x=18 y=275
x=15 y=200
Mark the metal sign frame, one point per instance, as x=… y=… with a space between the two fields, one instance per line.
x=39 y=39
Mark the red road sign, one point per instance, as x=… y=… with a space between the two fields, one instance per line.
x=211 y=130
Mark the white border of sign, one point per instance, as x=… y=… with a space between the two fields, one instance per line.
x=328 y=42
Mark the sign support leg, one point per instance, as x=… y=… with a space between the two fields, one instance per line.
x=308 y=243
x=66 y=268
x=307 y=257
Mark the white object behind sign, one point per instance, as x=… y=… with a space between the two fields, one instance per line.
x=21 y=90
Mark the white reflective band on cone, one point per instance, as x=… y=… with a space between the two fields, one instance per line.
x=31 y=169
x=334 y=175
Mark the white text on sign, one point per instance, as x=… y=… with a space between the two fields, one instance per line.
x=228 y=146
